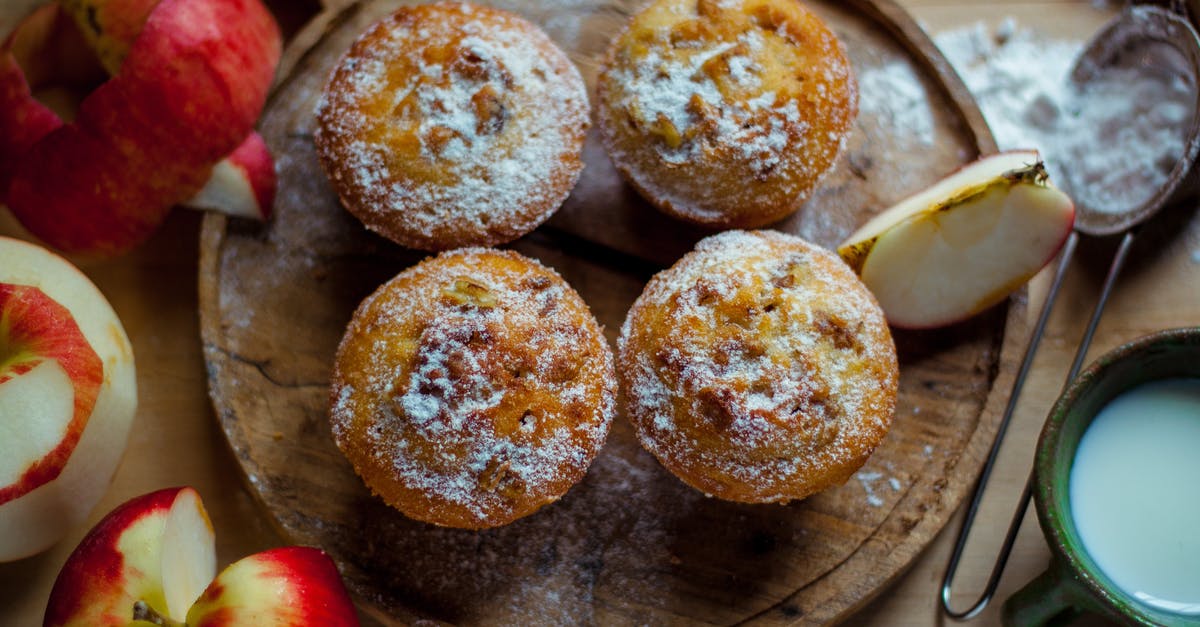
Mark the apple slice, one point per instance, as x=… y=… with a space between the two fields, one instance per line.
x=60 y=344
x=189 y=553
x=241 y=185
x=292 y=586
x=963 y=244
x=157 y=549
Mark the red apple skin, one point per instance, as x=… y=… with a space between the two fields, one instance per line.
x=25 y=122
x=187 y=94
x=92 y=588
x=34 y=327
x=292 y=586
x=254 y=159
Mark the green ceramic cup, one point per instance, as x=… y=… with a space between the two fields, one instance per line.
x=1073 y=583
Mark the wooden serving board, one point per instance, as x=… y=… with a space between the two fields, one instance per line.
x=630 y=544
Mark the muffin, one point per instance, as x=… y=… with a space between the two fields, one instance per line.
x=726 y=113
x=472 y=389
x=450 y=124
x=758 y=368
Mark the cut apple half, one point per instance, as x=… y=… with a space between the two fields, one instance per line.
x=965 y=243
x=292 y=586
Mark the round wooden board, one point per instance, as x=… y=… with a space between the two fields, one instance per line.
x=630 y=544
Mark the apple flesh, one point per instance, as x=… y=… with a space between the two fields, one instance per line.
x=964 y=244
x=190 y=79
x=61 y=345
x=153 y=560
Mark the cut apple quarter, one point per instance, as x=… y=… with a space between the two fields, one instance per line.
x=963 y=244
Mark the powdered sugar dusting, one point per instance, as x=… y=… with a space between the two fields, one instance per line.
x=1113 y=142
x=900 y=99
x=453 y=121
x=476 y=384
x=762 y=359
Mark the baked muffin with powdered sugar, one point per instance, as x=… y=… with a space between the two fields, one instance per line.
x=472 y=389
x=758 y=368
x=451 y=124
x=726 y=113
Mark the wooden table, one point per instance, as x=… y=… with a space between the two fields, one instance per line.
x=176 y=440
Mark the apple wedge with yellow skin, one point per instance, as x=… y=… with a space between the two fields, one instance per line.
x=152 y=560
x=963 y=244
x=190 y=79
x=68 y=394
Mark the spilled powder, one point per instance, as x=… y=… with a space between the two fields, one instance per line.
x=1110 y=144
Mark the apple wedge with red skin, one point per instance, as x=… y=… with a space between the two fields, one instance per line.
x=187 y=93
x=291 y=586
x=152 y=559
x=68 y=394
x=963 y=244
x=242 y=185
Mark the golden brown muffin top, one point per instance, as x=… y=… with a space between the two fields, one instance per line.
x=758 y=367
x=451 y=124
x=743 y=100
x=472 y=388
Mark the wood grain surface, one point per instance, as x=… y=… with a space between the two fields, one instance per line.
x=630 y=544
x=176 y=439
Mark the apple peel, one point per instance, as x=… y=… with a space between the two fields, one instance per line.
x=36 y=330
x=185 y=96
x=963 y=244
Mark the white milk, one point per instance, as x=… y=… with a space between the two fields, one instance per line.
x=1135 y=493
